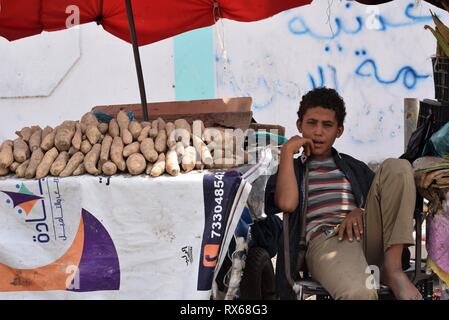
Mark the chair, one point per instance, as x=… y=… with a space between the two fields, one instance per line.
x=307 y=286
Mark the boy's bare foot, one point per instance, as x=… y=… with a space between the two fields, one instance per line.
x=400 y=284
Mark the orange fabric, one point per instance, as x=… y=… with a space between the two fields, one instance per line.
x=55 y=276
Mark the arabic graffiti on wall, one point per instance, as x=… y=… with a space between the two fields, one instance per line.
x=375 y=56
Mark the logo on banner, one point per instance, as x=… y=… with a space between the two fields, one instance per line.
x=210 y=255
x=24 y=199
x=89 y=264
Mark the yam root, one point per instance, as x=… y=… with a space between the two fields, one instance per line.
x=6 y=154
x=189 y=159
x=21 y=150
x=154 y=129
x=160 y=143
x=93 y=134
x=64 y=135
x=148 y=151
x=59 y=164
x=114 y=130
x=135 y=128
x=109 y=168
x=46 y=163
x=198 y=128
x=123 y=122
x=72 y=164
x=203 y=151
x=117 y=153
x=103 y=127
x=105 y=150
x=143 y=134
x=20 y=171
x=160 y=124
x=35 y=160
x=77 y=137
x=149 y=167
x=48 y=141
x=131 y=149
x=13 y=167
x=47 y=130
x=136 y=164
x=25 y=133
x=4 y=172
x=80 y=170
x=159 y=167
x=179 y=148
x=89 y=119
x=35 y=140
x=85 y=146
x=172 y=165
x=91 y=160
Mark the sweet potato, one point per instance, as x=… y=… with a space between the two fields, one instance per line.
x=25 y=133
x=148 y=151
x=80 y=170
x=131 y=149
x=160 y=144
x=135 y=128
x=13 y=167
x=149 y=167
x=73 y=163
x=4 y=172
x=6 y=154
x=46 y=163
x=85 y=146
x=160 y=124
x=89 y=119
x=123 y=123
x=159 y=167
x=64 y=135
x=198 y=128
x=48 y=141
x=77 y=137
x=59 y=164
x=91 y=160
x=172 y=165
x=20 y=171
x=203 y=151
x=169 y=129
x=105 y=150
x=143 y=134
x=136 y=164
x=35 y=160
x=103 y=127
x=117 y=153
x=180 y=149
x=114 y=130
x=93 y=134
x=35 y=139
x=154 y=129
x=189 y=159
x=109 y=168
x=21 y=150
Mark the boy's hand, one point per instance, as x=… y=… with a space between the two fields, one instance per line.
x=353 y=225
x=295 y=143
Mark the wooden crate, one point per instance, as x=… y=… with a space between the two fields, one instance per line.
x=230 y=113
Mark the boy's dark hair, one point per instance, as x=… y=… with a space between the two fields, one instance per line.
x=326 y=98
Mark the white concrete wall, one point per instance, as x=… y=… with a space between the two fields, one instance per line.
x=58 y=76
x=53 y=77
x=275 y=60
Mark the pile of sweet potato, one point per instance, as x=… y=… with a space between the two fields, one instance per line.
x=120 y=146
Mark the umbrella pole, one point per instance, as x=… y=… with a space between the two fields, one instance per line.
x=132 y=28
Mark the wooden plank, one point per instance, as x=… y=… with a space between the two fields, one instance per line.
x=230 y=113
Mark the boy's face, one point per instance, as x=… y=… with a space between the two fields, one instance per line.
x=321 y=126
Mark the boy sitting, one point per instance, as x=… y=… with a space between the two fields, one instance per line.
x=354 y=219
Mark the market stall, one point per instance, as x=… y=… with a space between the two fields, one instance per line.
x=120 y=237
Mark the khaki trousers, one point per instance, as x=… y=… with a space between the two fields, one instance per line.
x=342 y=267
